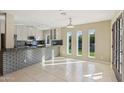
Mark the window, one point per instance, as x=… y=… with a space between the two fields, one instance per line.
x=69 y=43
x=79 y=43
x=91 y=50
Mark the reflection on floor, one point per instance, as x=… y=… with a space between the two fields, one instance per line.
x=61 y=70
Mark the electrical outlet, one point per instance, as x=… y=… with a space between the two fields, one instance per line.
x=25 y=61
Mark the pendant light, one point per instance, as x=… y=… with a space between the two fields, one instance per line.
x=70 y=23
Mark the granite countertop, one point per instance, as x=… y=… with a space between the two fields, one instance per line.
x=26 y=47
x=31 y=47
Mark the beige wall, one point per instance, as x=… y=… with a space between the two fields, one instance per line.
x=102 y=39
x=10 y=31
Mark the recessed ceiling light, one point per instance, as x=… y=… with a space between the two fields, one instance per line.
x=62 y=12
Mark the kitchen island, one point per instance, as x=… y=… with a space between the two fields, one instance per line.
x=17 y=58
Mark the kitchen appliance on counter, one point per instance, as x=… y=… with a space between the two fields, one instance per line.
x=56 y=42
x=40 y=42
x=31 y=41
x=28 y=43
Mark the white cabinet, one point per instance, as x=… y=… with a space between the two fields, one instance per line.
x=39 y=35
x=58 y=33
x=33 y=32
x=29 y=32
x=23 y=32
x=55 y=34
x=18 y=31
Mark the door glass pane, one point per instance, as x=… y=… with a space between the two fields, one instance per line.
x=121 y=33
x=118 y=45
x=115 y=44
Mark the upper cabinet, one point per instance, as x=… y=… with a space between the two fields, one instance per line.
x=55 y=34
x=58 y=33
x=23 y=32
x=39 y=35
x=52 y=34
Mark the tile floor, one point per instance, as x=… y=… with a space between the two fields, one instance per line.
x=63 y=70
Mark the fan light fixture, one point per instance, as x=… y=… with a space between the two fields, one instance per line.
x=70 y=24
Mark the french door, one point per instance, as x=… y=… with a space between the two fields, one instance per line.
x=117 y=49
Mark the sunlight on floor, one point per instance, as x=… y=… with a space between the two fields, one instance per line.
x=62 y=70
x=62 y=61
x=95 y=76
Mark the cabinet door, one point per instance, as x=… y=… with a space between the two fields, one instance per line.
x=25 y=33
x=29 y=32
x=41 y=35
x=37 y=35
x=19 y=29
x=58 y=33
x=34 y=32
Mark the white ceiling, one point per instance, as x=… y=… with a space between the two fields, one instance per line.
x=53 y=18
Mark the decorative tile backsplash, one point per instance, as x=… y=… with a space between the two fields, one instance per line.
x=15 y=59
